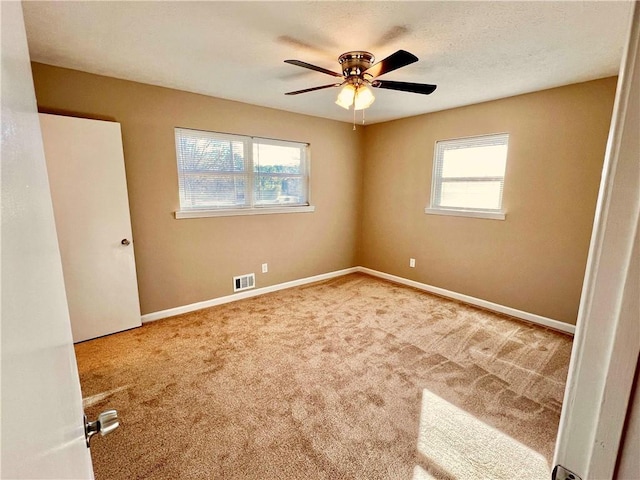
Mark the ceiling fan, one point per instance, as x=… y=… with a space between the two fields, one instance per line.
x=359 y=73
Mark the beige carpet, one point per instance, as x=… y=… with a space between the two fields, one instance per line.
x=351 y=378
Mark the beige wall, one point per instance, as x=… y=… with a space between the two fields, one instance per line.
x=184 y=261
x=369 y=187
x=534 y=260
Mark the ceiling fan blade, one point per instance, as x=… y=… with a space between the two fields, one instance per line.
x=312 y=89
x=423 y=88
x=400 y=59
x=312 y=67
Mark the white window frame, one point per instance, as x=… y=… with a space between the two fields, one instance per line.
x=251 y=208
x=441 y=146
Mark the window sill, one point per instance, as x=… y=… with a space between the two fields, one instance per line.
x=466 y=213
x=180 y=214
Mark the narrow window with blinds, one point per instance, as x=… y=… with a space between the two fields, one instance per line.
x=224 y=174
x=468 y=176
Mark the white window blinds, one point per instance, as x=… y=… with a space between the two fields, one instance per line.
x=468 y=173
x=211 y=168
x=223 y=171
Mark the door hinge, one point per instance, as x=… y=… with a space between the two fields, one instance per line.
x=561 y=473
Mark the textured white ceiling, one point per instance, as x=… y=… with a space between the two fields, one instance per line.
x=473 y=51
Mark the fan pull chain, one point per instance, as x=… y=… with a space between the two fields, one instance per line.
x=355 y=91
x=363 y=115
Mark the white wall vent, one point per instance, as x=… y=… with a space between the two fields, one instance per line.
x=244 y=282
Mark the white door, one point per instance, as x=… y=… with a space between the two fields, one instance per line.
x=42 y=426
x=607 y=341
x=89 y=191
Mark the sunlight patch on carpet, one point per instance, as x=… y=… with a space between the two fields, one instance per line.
x=420 y=473
x=98 y=397
x=455 y=444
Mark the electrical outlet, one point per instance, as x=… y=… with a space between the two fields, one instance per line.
x=265 y=268
x=412 y=262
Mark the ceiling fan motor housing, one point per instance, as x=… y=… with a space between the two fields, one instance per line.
x=355 y=63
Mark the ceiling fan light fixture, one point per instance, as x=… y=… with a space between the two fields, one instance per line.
x=346 y=96
x=364 y=98
x=360 y=96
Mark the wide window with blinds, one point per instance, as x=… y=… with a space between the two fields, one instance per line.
x=468 y=176
x=223 y=174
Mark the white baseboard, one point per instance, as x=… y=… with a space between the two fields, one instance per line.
x=529 y=317
x=150 y=317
